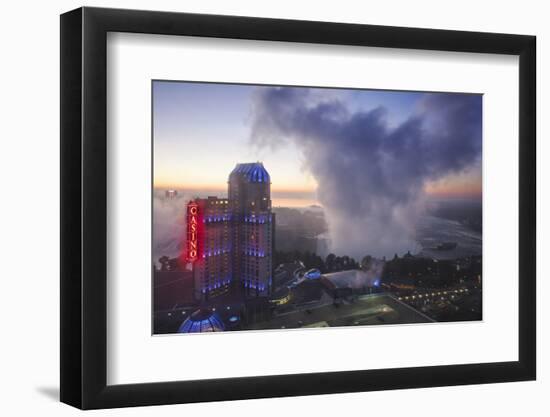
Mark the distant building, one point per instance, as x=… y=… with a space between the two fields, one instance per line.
x=171 y=193
x=230 y=240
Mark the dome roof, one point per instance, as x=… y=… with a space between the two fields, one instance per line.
x=313 y=274
x=203 y=320
x=252 y=172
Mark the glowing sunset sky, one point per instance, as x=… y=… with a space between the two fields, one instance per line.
x=202 y=130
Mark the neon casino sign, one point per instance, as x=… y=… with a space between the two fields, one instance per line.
x=193 y=227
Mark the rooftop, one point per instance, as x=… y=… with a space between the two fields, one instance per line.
x=252 y=172
x=367 y=310
x=202 y=320
x=354 y=278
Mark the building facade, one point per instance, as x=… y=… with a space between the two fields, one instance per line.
x=250 y=199
x=230 y=240
x=209 y=245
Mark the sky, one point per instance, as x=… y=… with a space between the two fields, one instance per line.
x=374 y=160
x=201 y=130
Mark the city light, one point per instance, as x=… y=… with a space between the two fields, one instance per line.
x=193 y=226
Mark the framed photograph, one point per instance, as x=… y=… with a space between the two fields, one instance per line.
x=257 y=208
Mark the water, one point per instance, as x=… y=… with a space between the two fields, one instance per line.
x=431 y=231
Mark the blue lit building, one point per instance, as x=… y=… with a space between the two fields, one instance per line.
x=212 y=263
x=230 y=240
x=250 y=200
x=203 y=320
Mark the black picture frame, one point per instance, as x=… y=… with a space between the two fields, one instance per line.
x=84 y=207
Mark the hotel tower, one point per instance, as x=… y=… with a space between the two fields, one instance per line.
x=230 y=240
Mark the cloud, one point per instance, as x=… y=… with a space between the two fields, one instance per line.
x=169 y=225
x=370 y=177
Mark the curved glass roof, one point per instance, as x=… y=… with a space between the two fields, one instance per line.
x=253 y=172
x=203 y=320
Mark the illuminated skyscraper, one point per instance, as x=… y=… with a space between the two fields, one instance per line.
x=252 y=223
x=171 y=193
x=230 y=241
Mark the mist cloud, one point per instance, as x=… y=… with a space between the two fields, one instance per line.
x=371 y=177
x=169 y=225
